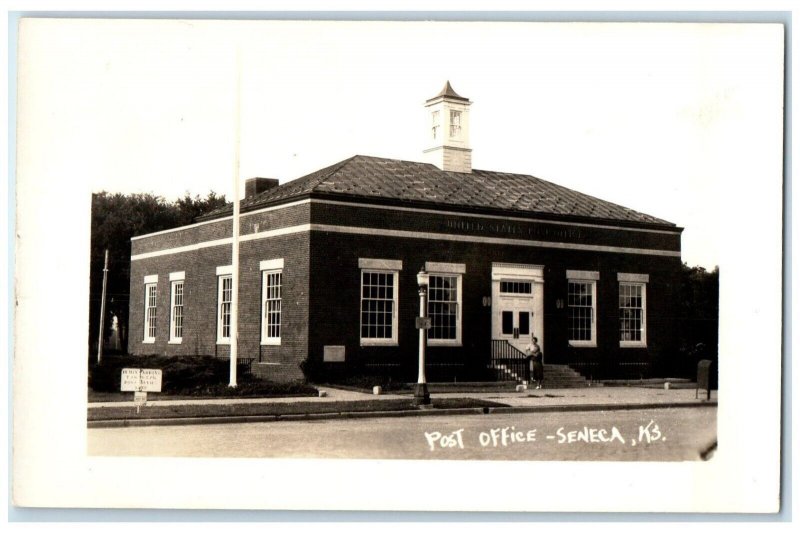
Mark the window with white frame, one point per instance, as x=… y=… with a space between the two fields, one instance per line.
x=378 y=305
x=435 y=124
x=455 y=123
x=224 y=299
x=272 y=292
x=444 y=303
x=582 y=307
x=150 y=309
x=176 y=311
x=379 y=293
x=633 y=310
x=516 y=287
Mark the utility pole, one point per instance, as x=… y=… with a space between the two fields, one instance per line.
x=235 y=222
x=102 y=312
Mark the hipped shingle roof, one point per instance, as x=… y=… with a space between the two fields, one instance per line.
x=422 y=183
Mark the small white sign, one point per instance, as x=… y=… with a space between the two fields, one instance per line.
x=140 y=380
x=139 y=398
x=333 y=354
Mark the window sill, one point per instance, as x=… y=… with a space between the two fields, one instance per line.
x=225 y=342
x=583 y=344
x=632 y=344
x=379 y=342
x=446 y=344
x=271 y=342
x=149 y=341
x=175 y=341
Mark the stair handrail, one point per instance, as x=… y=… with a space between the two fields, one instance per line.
x=503 y=352
x=511 y=351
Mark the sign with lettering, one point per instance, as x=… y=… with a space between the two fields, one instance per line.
x=510 y=436
x=423 y=322
x=333 y=354
x=140 y=380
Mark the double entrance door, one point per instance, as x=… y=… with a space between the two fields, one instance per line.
x=514 y=319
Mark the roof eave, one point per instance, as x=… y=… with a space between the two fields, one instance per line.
x=534 y=215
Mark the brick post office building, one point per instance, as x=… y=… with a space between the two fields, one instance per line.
x=328 y=267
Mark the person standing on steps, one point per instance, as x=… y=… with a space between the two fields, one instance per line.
x=534 y=353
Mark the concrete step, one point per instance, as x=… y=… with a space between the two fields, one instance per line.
x=563 y=377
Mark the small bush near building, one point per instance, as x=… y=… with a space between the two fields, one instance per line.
x=189 y=376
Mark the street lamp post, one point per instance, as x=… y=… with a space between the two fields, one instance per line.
x=421 y=395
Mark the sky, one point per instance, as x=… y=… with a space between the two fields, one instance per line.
x=664 y=119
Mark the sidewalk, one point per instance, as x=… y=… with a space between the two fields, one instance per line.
x=544 y=400
x=595 y=397
x=549 y=397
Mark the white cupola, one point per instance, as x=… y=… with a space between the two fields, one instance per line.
x=448 y=133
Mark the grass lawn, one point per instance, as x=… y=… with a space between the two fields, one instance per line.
x=246 y=389
x=103 y=397
x=276 y=409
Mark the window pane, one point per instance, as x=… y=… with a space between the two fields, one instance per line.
x=516 y=287
x=508 y=322
x=581 y=310
x=631 y=312
x=377 y=305
x=443 y=307
x=524 y=323
x=177 y=310
x=225 y=295
x=455 y=123
x=272 y=304
x=150 y=311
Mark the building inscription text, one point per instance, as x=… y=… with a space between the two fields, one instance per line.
x=514 y=230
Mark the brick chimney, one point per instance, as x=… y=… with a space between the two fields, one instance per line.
x=254 y=186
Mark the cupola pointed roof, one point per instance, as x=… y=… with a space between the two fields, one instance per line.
x=448 y=92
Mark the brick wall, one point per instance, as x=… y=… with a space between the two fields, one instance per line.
x=200 y=304
x=321 y=289
x=335 y=306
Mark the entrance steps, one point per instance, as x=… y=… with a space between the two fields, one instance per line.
x=563 y=377
x=505 y=373
x=555 y=377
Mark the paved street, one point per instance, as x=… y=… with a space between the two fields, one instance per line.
x=668 y=434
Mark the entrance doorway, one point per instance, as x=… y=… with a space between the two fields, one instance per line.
x=517 y=307
x=514 y=319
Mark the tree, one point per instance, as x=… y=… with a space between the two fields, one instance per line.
x=699 y=315
x=190 y=208
x=115 y=219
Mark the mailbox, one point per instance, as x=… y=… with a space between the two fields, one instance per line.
x=703 y=378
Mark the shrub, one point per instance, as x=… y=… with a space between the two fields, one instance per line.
x=251 y=387
x=178 y=373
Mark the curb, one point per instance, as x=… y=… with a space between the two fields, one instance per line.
x=245 y=419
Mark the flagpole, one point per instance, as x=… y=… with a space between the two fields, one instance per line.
x=102 y=312
x=235 y=222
